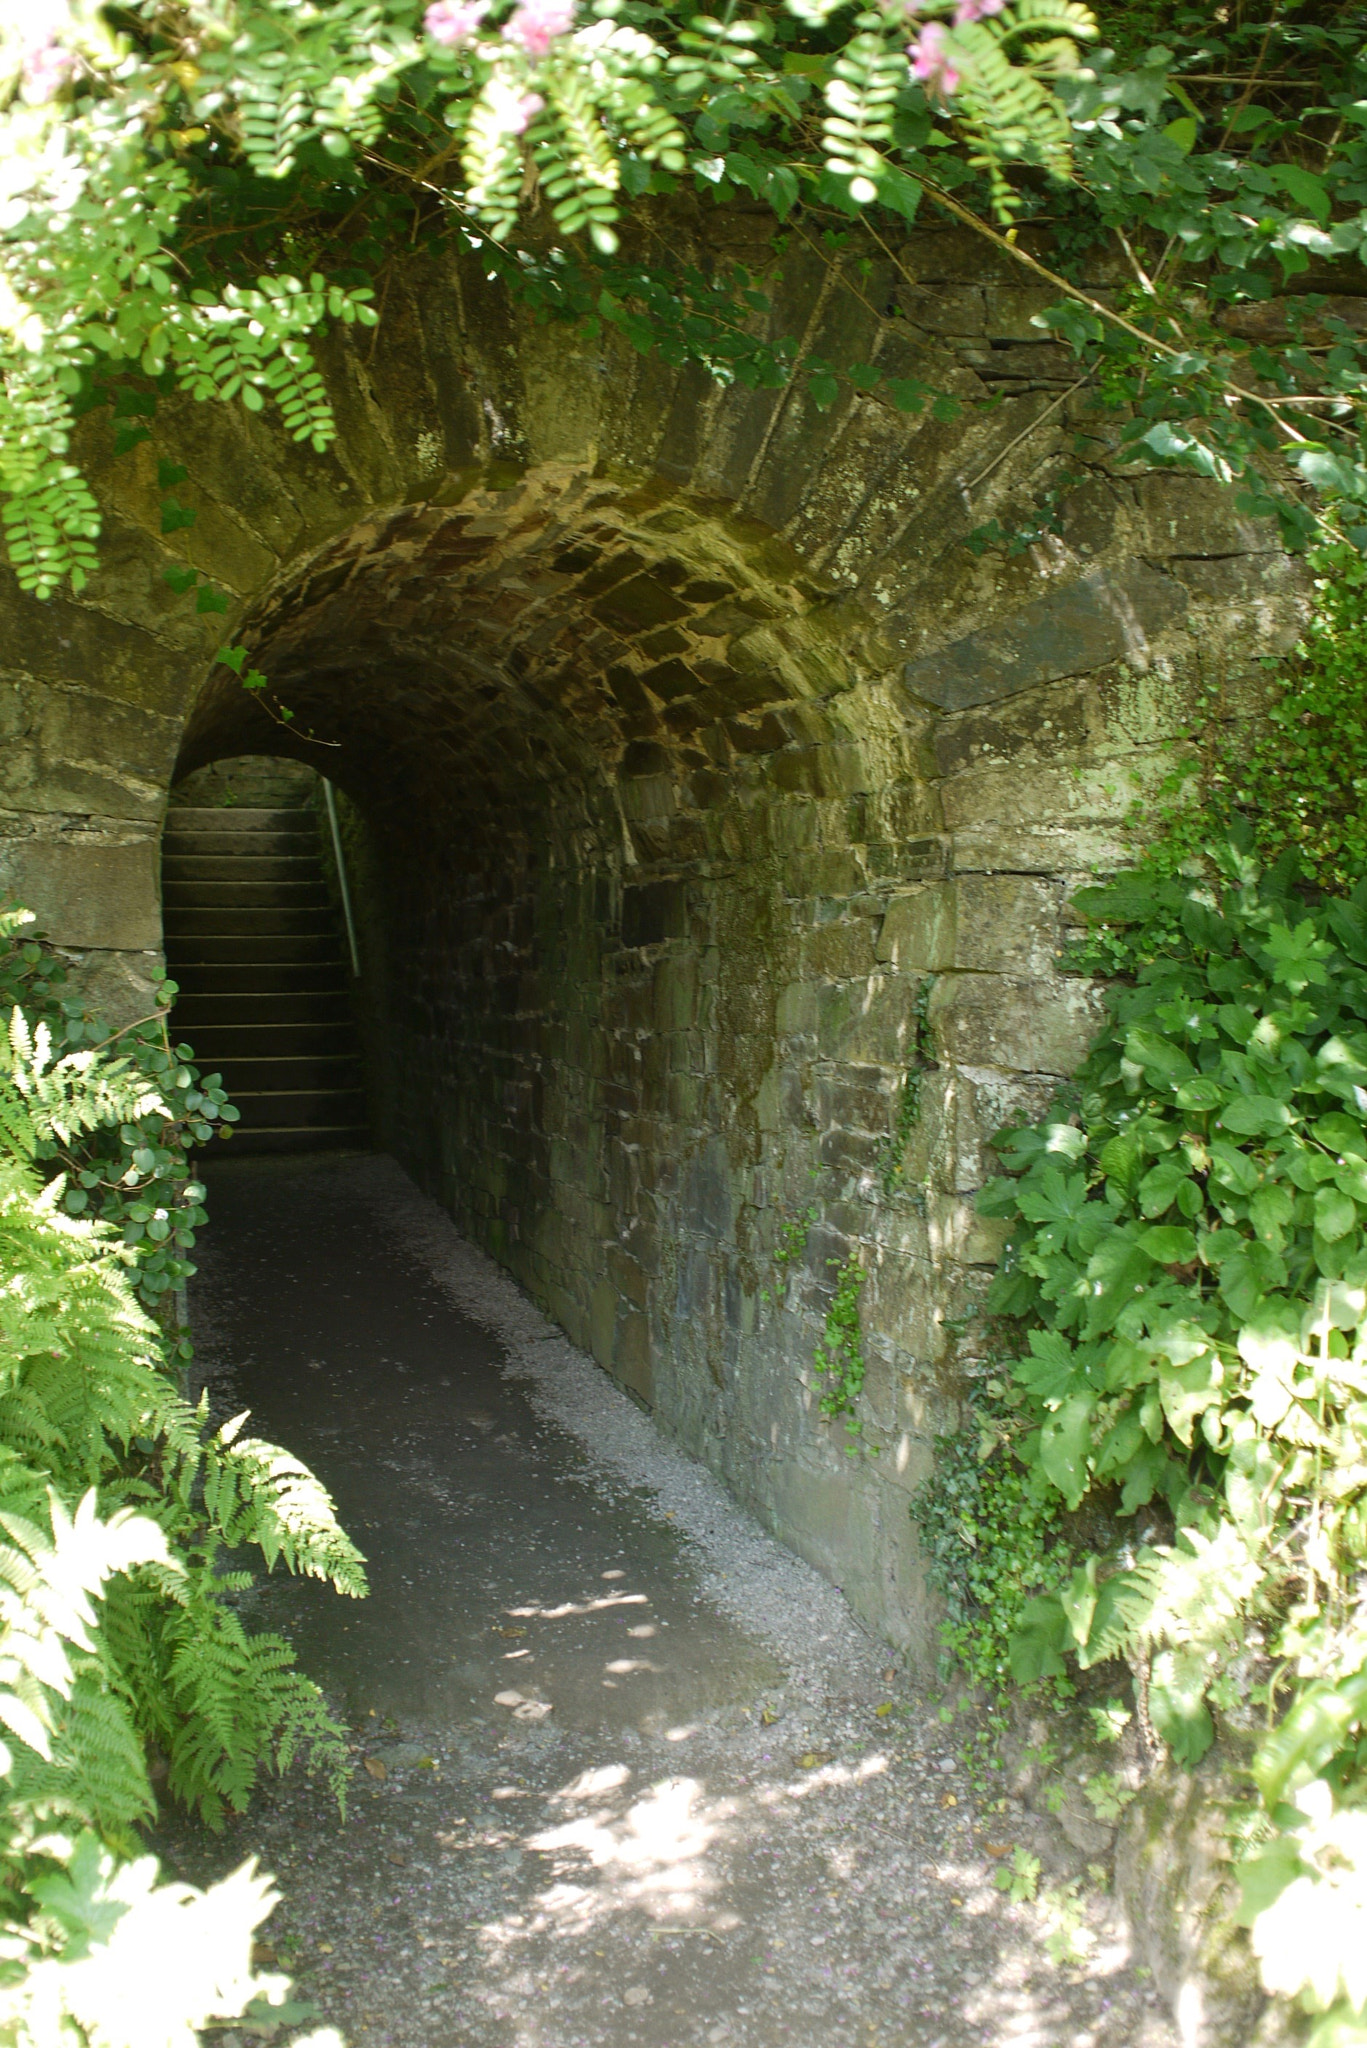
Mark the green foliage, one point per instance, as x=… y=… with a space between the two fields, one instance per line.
x=121 y=134
x=1187 y=1269
x=117 y=1625
x=1019 y=1878
x=990 y=1535
x=1305 y=781
x=132 y=1170
x=179 y=181
x=892 y=1156
x=839 y=1357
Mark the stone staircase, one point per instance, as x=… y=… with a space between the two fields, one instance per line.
x=252 y=941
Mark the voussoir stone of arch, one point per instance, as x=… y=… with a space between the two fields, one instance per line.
x=1079 y=627
x=688 y=759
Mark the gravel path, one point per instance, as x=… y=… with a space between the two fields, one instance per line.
x=628 y=1773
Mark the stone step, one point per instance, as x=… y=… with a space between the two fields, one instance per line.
x=191 y=870
x=251 y=1073
x=306 y=893
x=239 y=818
x=197 y=951
x=269 y=1039
x=238 y=845
x=225 y=980
x=252 y=943
x=282 y=1008
x=298 y=1108
x=257 y=921
x=301 y=1138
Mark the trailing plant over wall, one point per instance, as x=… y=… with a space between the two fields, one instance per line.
x=192 y=191
x=1187 y=1271
x=117 y=1628
x=839 y=1356
x=989 y=1532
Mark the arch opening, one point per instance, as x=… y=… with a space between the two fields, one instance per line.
x=583 y=735
x=256 y=950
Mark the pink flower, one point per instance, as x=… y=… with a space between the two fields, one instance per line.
x=931 y=62
x=510 y=107
x=454 y=21
x=974 y=10
x=535 y=24
x=46 y=67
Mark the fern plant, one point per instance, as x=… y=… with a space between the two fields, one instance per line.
x=111 y=1485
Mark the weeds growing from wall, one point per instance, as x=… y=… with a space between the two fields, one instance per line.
x=839 y=1356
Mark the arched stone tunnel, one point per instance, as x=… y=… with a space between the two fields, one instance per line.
x=702 y=785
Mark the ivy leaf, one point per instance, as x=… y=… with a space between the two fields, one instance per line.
x=180 y=580
x=1147 y=1474
x=1037 y=1646
x=1065 y=1442
x=1304 y=188
x=1177 y=1704
x=1171 y=1244
x=1158 y=1189
x=1157 y=1056
x=1053 y=1370
x=1118 y=1269
x=1187 y=1392
x=1335 y=1213
x=1249 y=1273
x=1255 y=1116
x=1000 y=1197
x=1078 y=1601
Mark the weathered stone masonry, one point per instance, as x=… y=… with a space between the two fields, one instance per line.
x=685 y=746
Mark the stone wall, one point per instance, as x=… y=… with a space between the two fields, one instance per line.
x=694 y=767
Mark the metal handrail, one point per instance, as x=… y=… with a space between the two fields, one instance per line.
x=331 y=802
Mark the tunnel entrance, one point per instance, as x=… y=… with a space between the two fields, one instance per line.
x=705 y=939
x=256 y=945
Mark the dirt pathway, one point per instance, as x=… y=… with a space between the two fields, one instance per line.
x=622 y=1779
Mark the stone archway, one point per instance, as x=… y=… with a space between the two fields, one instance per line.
x=691 y=758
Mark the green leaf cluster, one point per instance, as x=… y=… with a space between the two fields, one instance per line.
x=119 y=1633
x=1187 y=1268
x=133 y=1170
x=990 y=1534
x=839 y=1356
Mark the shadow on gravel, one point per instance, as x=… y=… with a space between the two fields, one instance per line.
x=621 y=1776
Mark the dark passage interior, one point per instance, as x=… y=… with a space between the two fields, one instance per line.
x=252 y=939
x=647 y=853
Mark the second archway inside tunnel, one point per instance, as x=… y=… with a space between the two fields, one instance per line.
x=256 y=943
